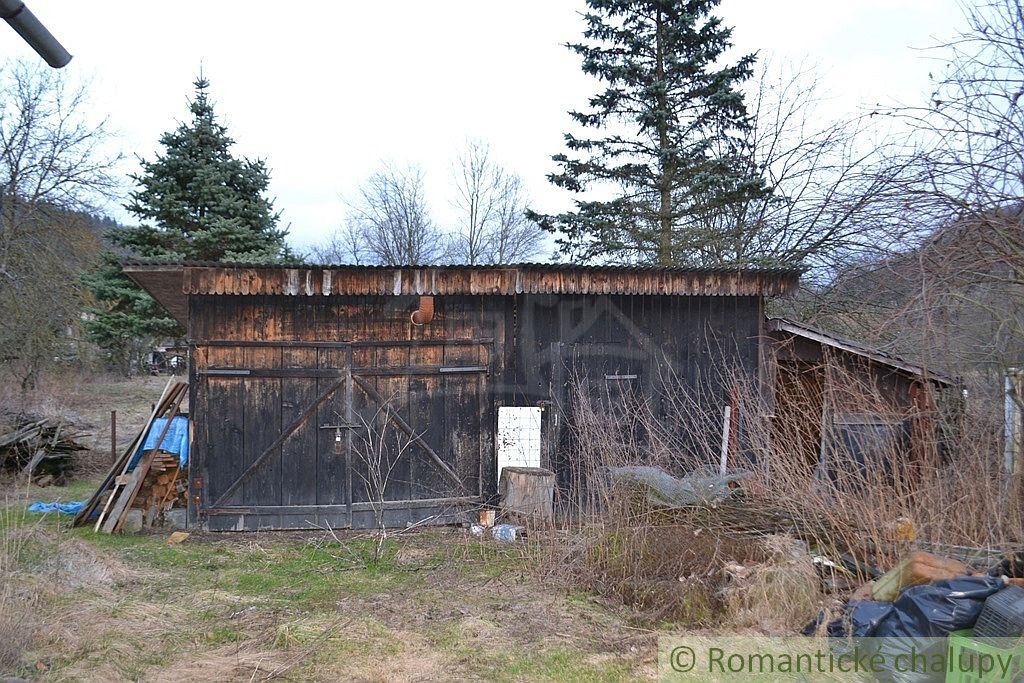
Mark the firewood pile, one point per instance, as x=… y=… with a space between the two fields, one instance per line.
x=164 y=488
x=152 y=482
x=42 y=449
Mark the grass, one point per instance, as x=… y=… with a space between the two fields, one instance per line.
x=437 y=604
x=557 y=663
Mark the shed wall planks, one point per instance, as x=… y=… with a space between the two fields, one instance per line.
x=513 y=350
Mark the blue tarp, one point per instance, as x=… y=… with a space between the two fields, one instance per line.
x=175 y=441
x=72 y=507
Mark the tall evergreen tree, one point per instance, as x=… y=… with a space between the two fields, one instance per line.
x=200 y=202
x=197 y=202
x=665 y=175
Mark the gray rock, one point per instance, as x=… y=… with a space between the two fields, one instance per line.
x=132 y=522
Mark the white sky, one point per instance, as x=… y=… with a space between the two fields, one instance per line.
x=326 y=91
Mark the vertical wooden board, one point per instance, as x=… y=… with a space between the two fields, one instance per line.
x=199 y=317
x=307 y=318
x=239 y=317
x=394 y=391
x=463 y=432
x=344 y=319
x=220 y=324
x=487 y=451
x=288 y=316
x=331 y=471
x=750 y=308
x=263 y=426
x=426 y=417
x=547 y=328
x=400 y=449
x=224 y=412
x=362 y=329
x=363 y=410
x=298 y=452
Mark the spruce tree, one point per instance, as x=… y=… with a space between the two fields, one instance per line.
x=663 y=174
x=196 y=202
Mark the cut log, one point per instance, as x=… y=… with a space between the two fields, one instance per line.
x=528 y=493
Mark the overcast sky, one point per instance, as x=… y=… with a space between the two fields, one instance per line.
x=327 y=91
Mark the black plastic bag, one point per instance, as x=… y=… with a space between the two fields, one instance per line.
x=923 y=615
x=936 y=609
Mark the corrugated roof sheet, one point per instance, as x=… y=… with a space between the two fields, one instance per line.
x=793 y=269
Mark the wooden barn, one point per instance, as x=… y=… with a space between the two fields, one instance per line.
x=290 y=364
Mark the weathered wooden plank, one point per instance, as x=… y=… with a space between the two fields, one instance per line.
x=262 y=407
x=431 y=338
x=332 y=457
x=298 y=451
x=270 y=372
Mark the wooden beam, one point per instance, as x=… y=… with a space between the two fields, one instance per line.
x=343 y=344
x=342 y=508
x=270 y=372
x=400 y=370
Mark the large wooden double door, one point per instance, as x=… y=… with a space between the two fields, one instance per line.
x=303 y=435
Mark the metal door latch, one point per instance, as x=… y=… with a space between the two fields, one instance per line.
x=337 y=433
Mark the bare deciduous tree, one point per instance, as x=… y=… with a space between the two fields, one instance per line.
x=389 y=222
x=824 y=176
x=492 y=203
x=947 y=287
x=53 y=167
x=343 y=246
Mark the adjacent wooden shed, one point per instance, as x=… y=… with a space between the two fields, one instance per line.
x=845 y=404
x=288 y=364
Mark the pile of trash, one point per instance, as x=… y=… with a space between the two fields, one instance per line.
x=925 y=604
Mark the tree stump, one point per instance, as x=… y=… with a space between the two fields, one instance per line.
x=528 y=493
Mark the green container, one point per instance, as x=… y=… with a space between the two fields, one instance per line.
x=964 y=649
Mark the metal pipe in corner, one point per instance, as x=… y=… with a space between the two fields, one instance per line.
x=34 y=33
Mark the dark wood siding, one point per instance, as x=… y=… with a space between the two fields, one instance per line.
x=512 y=350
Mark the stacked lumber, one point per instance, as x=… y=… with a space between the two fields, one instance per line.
x=164 y=488
x=40 y=448
x=120 y=489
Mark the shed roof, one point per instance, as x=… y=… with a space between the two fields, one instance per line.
x=857 y=348
x=171 y=283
